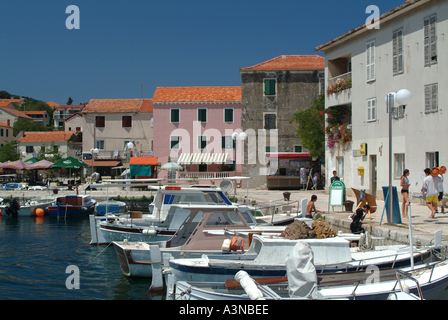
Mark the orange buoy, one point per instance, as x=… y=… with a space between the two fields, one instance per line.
x=40 y=212
x=0 y=212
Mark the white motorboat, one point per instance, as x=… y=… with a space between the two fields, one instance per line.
x=203 y=231
x=110 y=228
x=26 y=208
x=267 y=257
x=427 y=281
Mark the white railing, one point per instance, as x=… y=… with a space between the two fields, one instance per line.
x=344 y=77
x=205 y=175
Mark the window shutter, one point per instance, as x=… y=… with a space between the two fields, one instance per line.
x=373 y=109
x=269 y=87
x=228 y=115
x=434 y=89
x=174 y=115
x=223 y=142
x=433 y=36
x=395 y=52
x=400 y=51
x=370 y=61
x=426 y=42
x=427 y=98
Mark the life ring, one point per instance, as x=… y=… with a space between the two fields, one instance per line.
x=237 y=243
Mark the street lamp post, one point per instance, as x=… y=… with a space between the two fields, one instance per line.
x=94 y=152
x=237 y=136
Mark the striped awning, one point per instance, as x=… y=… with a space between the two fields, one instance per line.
x=199 y=158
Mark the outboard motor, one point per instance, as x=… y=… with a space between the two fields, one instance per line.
x=13 y=208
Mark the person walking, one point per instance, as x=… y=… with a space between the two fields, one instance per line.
x=405 y=193
x=430 y=183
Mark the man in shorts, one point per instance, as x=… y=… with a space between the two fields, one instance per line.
x=430 y=183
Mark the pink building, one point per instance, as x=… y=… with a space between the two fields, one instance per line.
x=193 y=127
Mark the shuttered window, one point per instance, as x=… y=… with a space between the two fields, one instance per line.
x=126 y=121
x=270 y=121
x=269 y=87
x=431 y=100
x=371 y=110
x=202 y=142
x=430 y=40
x=100 y=121
x=175 y=115
x=398 y=52
x=174 y=142
x=202 y=115
x=370 y=61
x=227 y=142
x=228 y=115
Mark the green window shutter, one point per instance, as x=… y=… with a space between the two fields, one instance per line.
x=174 y=142
x=174 y=115
x=269 y=87
x=228 y=115
x=202 y=142
x=202 y=115
x=298 y=149
x=223 y=142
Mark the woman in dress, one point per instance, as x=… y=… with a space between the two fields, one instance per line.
x=405 y=193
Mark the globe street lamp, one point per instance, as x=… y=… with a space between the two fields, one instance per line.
x=402 y=97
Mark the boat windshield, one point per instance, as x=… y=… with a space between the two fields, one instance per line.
x=214 y=197
x=225 y=218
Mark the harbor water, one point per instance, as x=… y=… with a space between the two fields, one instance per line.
x=36 y=252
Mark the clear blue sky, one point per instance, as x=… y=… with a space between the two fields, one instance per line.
x=122 y=44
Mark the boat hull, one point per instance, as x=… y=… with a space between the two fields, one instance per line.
x=67 y=211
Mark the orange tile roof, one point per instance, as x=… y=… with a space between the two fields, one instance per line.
x=5 y=104
x=290 y=62
x=197 y=94
x=118 y=106
x=2 y=124
x=13 y=100
x=15 y=112
x=52 y=104
x=48 y=136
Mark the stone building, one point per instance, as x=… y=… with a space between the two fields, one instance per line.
x=272 y=92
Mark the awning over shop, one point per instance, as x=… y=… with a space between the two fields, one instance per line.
x=141 y=166
x=146 y=161
x=101 y=163
x=198 y=158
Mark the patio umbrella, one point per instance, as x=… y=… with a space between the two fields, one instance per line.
x=17 y=165
x=70 y=163
x=171 y=166
x=42 y=164
x=32 y=160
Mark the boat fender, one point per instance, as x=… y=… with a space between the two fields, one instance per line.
x=226 y=245
x=149 y=232
x=249 y=285
x=237 y=243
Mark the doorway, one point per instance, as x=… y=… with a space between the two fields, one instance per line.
x=373 y=175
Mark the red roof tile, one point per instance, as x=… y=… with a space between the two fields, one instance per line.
x=197 y=94
x=290 y=62
x=118 y=106
x=52 y=104
x=49 y=136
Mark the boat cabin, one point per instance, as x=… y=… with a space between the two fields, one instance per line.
x=73 y=200
x=206 y=228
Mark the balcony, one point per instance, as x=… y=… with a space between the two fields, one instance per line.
x=339 y=90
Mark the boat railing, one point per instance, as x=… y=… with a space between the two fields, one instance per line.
x=271 y=206
x=403 y=274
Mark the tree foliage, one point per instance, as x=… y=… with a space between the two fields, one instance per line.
x=23 y=124
x=9 y=152
x=311 y=125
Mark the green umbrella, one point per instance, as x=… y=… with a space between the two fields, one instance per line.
x=31 y=160
x=70 y=163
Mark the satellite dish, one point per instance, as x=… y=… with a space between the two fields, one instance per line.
x=226 y=186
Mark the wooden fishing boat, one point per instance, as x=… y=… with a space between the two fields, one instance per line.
x=72 y=206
